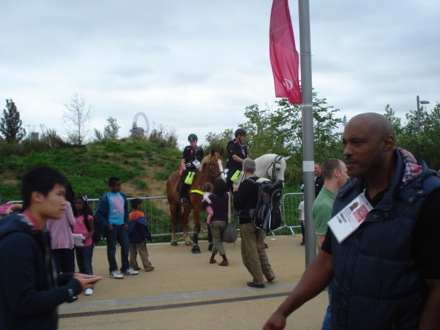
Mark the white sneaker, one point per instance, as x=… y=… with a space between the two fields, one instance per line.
x=88 y=292
x=131 y=271
x=116 y=274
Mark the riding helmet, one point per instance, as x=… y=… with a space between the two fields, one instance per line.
x=192 y=137
x=240 y=131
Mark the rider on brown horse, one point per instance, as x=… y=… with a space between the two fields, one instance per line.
x=190 y=163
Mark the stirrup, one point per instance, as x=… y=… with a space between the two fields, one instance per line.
x=183 y=201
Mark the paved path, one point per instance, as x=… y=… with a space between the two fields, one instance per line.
x=186 y=292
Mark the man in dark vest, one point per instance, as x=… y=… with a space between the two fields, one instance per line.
x=385 y=273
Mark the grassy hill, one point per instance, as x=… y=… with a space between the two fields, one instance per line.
x=143 y=167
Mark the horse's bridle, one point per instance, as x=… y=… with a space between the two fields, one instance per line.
x=276 y=160
x=211 y=169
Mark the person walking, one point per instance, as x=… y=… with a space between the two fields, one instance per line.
x=219 y=204
x=334 y=173
x=385 y=273
x=30 y=289
x=253 y=252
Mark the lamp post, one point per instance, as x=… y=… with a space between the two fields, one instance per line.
x=418 y=124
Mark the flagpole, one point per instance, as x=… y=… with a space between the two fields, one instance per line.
x=307 y=127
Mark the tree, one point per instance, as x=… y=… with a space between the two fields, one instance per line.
x=77 y=117
x=10 y=127
x=218 y=141
x=279 y=131
x=111 y=129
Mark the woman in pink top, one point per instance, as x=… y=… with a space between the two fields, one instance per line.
x=61 y=237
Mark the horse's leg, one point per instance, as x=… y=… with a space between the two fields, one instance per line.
x=185 y=221
x=197 y=229
x=173 y=212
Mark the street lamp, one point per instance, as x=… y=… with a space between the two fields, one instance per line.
x=418 y=124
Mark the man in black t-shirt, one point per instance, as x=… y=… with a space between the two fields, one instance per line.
x=191 y=158
x=237 y=152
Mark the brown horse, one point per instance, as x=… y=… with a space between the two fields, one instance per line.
x=211 y=168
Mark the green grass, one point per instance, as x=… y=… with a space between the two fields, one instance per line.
x=89 y=167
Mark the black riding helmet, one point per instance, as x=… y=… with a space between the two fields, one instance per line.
x=240 y=131
x=192 y=137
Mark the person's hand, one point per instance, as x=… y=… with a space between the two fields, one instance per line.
x=276 y=322
x=110 y=228
x=87 y=281
x=125 y=226
x=235 y=187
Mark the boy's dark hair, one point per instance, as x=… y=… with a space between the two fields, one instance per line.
x=220 y=187
x=113 y=180
x=41 y=179
x=135 y=202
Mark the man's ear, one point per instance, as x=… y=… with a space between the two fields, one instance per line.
x=36 y=197
x=388 y=142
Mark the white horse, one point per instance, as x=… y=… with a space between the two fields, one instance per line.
x=271 y=166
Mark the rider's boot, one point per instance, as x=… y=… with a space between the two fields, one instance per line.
x=184 y=194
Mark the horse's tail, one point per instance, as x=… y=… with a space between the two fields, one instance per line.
x=178 y=212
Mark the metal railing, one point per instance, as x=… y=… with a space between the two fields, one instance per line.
x=157 y=213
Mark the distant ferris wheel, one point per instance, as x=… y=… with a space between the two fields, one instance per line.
x=137 y=130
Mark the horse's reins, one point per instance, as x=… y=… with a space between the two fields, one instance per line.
x=203 y=175
x=277 y=160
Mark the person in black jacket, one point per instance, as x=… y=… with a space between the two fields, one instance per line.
x=192 y=156
x=30 y=290
x=252 y=238
x=237 y=152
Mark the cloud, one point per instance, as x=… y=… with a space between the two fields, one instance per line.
x=195 y=65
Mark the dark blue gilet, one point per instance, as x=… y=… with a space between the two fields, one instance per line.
x=377 y=283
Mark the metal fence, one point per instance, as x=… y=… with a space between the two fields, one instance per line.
x=157 y=213
x=290 y=203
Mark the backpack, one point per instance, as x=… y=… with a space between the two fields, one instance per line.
x=96 y=237
x=97 y=234
x=268 y=215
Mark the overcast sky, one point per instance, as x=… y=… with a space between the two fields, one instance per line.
x=194 y=65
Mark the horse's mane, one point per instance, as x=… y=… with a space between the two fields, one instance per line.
x=212 y=154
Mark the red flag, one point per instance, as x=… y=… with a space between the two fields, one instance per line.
x=283 y=54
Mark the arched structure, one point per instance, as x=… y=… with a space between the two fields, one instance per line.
x=140 y=131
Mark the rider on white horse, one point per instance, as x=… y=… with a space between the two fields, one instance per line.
x=237 y=152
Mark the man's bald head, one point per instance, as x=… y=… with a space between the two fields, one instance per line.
x=374 y=122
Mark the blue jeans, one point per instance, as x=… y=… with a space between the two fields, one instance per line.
x=120 y=235
x=327 y=322
x=84 y=259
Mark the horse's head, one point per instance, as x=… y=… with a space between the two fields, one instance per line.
x=271 y=166
x=213 y=166
x=278 y=168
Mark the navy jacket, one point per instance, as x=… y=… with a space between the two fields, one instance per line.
x=29 y=295
x=377 y=283
x=138 y=230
